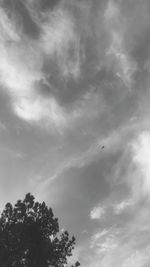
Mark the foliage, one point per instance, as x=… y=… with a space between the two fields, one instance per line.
x=29 y=236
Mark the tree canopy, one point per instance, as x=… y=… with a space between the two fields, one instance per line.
x=30 y=237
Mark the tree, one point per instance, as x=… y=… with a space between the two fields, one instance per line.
x=29 y=236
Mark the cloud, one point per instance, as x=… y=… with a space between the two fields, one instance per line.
x=118 y=246
x=52 y=79
x=120 y=207
x=41 y=109
x=59 y=39
x=73 y=76
x=126 y=240
x=116 y=27
x=132 y=168
x=60 y=67
x=139 y=258
x=104 y=241
x=43 y=5
x=19 y=12
x=21 y=66
x=141 y=158
x=97 y=213
x=7 y=28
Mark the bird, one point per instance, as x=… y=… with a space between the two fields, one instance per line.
x=102 y=147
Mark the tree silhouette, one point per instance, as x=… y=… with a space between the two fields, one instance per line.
x=29 y=236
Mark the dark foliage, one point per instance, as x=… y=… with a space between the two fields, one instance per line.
x=29 y=236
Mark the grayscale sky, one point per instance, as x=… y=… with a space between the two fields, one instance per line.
x=75 y=120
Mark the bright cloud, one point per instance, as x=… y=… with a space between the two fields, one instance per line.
x=22 y=60
x=141 y=158
x=97 y=212
x=38 y=109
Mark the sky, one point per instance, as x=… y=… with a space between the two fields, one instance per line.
x=75 y=120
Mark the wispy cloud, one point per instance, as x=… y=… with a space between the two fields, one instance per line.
x=122 y=206
x=116 y=26
x=22 y=62
x=60 y=41
x=116 y=246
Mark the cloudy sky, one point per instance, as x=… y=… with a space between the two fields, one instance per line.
x=75 y=120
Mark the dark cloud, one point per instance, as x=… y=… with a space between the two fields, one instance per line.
x=18 y=11
x=141 y=50
x=44 y=5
